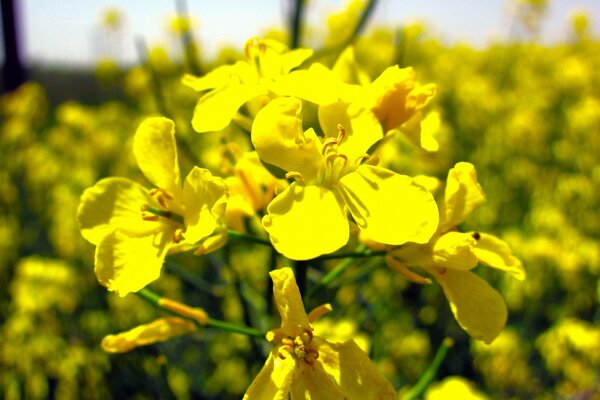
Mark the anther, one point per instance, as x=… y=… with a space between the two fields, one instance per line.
x=294 y=175
x=178 y=235
x=150 y=217
x=341 y=133
x=329 y=142
x=476 y=235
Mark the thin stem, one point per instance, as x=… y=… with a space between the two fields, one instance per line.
x=429 y=375
x=155 y=300
x=330 y=276
x=356 y=254
x=242 y=236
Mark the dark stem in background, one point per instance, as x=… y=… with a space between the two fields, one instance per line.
x=190 y=50
x=296 y=23
x=142 y=49
x=13 y=72
x=300 y=273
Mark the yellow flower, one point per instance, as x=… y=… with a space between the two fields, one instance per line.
x=134 y=228
x=309 y=218
x=450 y=255
x=265 y=74
x=307 y=366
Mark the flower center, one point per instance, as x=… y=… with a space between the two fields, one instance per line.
x=150 y=213
x=300 y=347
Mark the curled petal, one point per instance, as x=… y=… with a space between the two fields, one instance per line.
x=215 y=79
x=215 y=109
x=155 y=150
x=294 y=320
x=204 y=199
x=305 y=222
x=159 y=330
x=113 y=203
x=455 y=250
x=126 y=263
x=274 y=379
x=391 y=208
x=478 y=308
x=494 y=252
x=279 y=140
x=463 y=195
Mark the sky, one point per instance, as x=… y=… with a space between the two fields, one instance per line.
x=68 y=31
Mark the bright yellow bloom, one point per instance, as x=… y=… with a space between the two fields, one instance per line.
x=450 y=255
x=265 y=74
x=309 y=218
x=134 y=228
x=307 y=366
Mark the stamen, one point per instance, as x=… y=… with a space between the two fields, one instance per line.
x=294 y=175
x=329 y=142
x=150 y=217
x=161 y=197
x=341 y=133
x=178 y=236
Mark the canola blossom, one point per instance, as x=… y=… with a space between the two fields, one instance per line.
x=306 y=366
x=309 y=169
x=311 y=216
x=265 y=74
x=450 y=255
x=134 y=228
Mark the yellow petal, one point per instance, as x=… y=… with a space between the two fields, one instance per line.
x=455 y=250
x=204 y=199
x=159 y=330
x=316 y=84
x=294 y=58
x=126 y=263
x=390 y=208
x=217 y=78
x=348 y=69
x=113 y=203
x=305 y=222
x=294 y=320
x=478 y=308
x=312 y=382
x=463 y=195
x=495 y=252
x=274 y=379
x=361 y=127
x=215 y=109
x=279 y=140
x=156 y=154
x=351 y=368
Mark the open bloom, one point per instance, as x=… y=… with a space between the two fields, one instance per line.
x=310 y=217
x=265 y=74
x=450 y=255
x=134 y=228
x=307 y=366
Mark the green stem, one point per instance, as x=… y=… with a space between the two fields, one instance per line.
x=356 y=254
x=242 y=236
x=154 y=299
x=330 y=276
x=228 y=326
x=429 y=375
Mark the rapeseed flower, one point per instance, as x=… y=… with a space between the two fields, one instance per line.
x=265 y=74
x=450 y=255
x=135 y=228
x=309 y=218
x=307 y=366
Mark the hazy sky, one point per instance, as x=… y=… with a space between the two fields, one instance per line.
x=67 y=31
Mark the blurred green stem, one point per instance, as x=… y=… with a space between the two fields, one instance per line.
x=333 y=274
x=248 y=238
x=429 y=375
